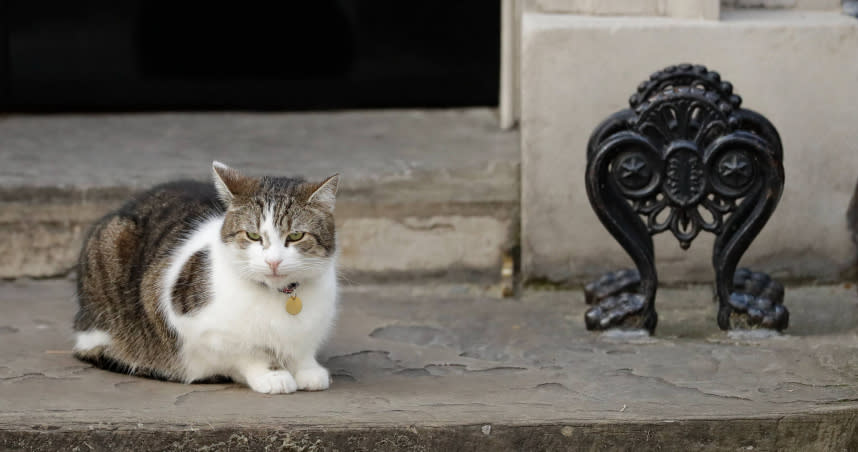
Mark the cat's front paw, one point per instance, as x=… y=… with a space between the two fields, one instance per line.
x=273 y=382
x=313 y=379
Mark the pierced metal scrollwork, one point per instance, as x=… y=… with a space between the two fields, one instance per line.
x=685 y=157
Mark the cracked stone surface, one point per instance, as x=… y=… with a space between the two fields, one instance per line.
x=433 y=366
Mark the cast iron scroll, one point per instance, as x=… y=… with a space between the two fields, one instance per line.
x=685 y=158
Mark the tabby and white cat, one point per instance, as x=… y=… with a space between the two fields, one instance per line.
x=188 y=282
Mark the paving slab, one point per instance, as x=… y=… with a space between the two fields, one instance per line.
x=449 y=367
x=410 y=179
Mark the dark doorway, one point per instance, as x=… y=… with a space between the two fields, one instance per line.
x=93 y=55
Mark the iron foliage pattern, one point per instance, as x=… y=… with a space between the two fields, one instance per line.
x=685 y=158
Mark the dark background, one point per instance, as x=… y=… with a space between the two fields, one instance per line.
x=126 y=55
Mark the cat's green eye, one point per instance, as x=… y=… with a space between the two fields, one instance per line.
x=295 y=236
x=253 y=236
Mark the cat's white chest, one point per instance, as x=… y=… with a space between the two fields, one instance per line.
x=241 y=322
x=258 y=315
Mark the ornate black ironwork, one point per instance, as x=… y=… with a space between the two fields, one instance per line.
x=685 y=157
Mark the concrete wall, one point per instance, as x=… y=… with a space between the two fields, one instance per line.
x=775 y=4
x=799 y=68
x=705 y=9
x=694 y=9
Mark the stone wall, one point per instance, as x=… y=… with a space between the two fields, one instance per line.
x=780 y=4
x=698 y=9
x=798 y=68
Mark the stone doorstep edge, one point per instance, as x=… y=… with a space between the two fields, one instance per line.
x=68 y=211
x=825 y=430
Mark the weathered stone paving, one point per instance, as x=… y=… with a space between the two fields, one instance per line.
x=452 y=368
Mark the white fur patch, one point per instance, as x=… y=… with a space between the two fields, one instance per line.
x=267 y=227
x=245 y=325
x=202 y=237
x=88 y=340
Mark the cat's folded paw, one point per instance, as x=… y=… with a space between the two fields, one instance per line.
x=273 y=382
x=313 y=379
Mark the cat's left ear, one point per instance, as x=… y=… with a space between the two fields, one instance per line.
x=326 y=194
x=230 y=183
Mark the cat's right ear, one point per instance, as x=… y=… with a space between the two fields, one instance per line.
x=230 y=183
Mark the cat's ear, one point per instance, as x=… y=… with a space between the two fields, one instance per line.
x=231 y=183
x=325 y=194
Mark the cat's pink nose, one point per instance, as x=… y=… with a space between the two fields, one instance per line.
x=273 y=263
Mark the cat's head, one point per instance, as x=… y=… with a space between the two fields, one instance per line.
x=278 y=230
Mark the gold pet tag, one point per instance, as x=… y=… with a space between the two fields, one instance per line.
x=294 y=305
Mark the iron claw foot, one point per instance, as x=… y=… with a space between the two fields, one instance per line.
x=612 y=283
x=616 y=303
x=755 y=303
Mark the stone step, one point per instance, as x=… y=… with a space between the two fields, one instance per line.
x=423 y=193
x=446 y=367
